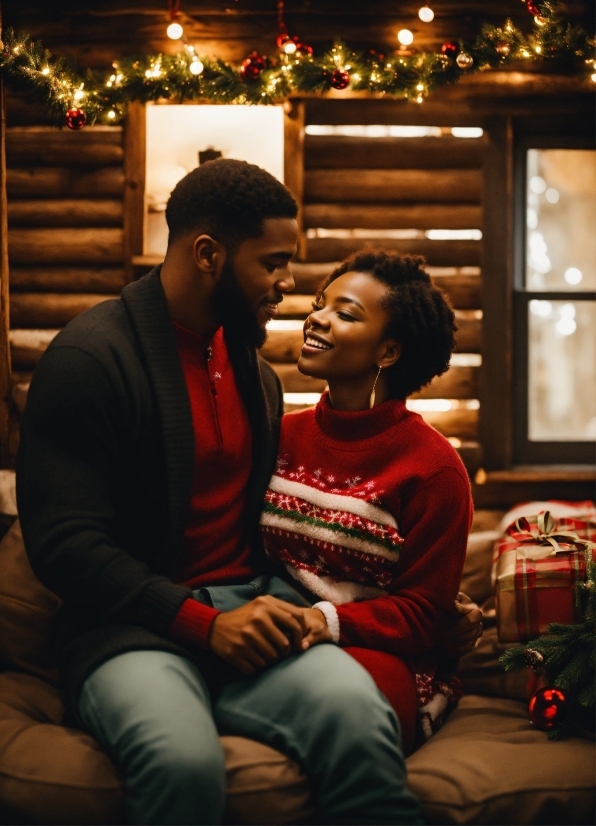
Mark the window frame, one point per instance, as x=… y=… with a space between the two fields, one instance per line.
x=524 y=451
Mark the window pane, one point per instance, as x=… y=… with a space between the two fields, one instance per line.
x=560 y=219
x=562 y=371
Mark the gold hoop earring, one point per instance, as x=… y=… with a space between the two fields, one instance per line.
x=371 y=403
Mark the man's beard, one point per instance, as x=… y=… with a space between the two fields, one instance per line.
x=233 y=310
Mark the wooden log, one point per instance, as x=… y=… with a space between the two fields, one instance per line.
x=296 y=306
x=383 y=216
x=19 y=396
x=461 y=284
x=437 y=253
x=468 y=333
x=365 y=110
x=67 y=279
x=61 y=182
x=68 y=212
x=343 y=152
x=66 y=246
x=50 y=309
x=48 y=146
x=456 y=383
x=461 y=423
x=283 y=346
x=27 y=347
x=392 y=185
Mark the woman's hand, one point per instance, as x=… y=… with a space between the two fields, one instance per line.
x=319 y=632
x=462 y=630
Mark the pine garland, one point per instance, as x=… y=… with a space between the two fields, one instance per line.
x=569 y=653
x=29 y=68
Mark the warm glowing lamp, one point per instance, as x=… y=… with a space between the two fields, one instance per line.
x=174 y=31
x=405 y=37
x=426 y=14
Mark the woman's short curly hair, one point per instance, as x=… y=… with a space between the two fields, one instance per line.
x=419 y=317
x=229 y=200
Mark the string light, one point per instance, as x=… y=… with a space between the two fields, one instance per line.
x=426 y=14
x=196 y=67
x=45 y=70
x=593 y=77
x=174 y=31
x=420 y=87
x=405 y=37
x=111 y=114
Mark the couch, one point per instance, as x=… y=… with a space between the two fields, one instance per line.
x=487 y=765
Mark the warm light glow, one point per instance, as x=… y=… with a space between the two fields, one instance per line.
x=593 y=77
x=540 y=21
x=405 y=37
x=289 y=47
x=573 y=275
x=419 y=99
x=537 y=49
x=45 y=70
x=174 y=31
x=426 y=14
x=79 y=94
x=111 y=114
x=196 y=67
x=420 y=87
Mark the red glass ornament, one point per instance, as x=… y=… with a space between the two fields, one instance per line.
x=281 y=39
x=252 y=67
x=532 y=8
x=304 y=49
x=450 y=48
x=75 y=118
x=340 y=79
x=547 y=707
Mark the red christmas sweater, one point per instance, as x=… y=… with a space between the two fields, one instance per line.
x=370 y=511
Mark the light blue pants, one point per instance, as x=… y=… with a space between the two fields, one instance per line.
x=152 y=712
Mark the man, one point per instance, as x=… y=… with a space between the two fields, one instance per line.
x=146 y=448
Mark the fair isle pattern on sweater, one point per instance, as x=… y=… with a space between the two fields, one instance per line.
x=343 y=548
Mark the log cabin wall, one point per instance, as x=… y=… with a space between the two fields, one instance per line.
x=379 y=187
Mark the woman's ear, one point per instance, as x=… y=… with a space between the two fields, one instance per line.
x=390 y=353
x=208 y=254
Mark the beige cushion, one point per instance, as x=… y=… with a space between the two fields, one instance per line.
x=489 y=765
x=481 y=672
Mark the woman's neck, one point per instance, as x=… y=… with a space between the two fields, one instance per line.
x=355 y=395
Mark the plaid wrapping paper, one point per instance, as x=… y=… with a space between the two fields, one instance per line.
x=536 y=567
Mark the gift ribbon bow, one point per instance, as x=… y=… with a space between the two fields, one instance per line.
x=543 y=533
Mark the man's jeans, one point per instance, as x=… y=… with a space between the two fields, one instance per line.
x=152 y=712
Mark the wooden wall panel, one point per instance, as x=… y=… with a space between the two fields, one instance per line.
x=67 y=279
x=69 y=212
x=393 y=185
x=40 y=146
x=345 y=152
x=394 y=216
x=65 y=182
x=437 y=253
x=66 y=246
x=31 y=310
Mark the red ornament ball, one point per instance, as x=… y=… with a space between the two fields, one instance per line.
x=303 y=49
x=340 y=79
x=532 y=8
x=450 y=48
x=75 y=118
x=252 y=67
x=547 y=707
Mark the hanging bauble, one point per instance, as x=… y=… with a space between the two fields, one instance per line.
x=502 y=48
x=252 y=67
x=303 y=49
x=534 y=659
x=532 y=8
x=450 y=48
x=75 y=118
x=340 y=79
x=287 y=44
x=464 y=61
x=547 y=707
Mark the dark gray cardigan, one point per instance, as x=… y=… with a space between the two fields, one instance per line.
x=105 y=469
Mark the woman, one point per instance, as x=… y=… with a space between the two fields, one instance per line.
x=369 y=508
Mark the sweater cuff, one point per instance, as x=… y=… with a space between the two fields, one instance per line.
x=330 y=612
x=193 y=622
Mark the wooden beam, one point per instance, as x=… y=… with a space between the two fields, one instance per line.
x=385 y=216
x=393 y=185
x=50 y=309
x=64 y=182
x=5 y=366
x=284 y=345
x=343 y=152
x=437 y=253
x=67 y=212
x=66 y=246
x=497 y=287
x=67 y=279
x=134 y=185
x=461 y=284
x=48 y=146
x=294 y=161
x=368 y=110
x=28 y=346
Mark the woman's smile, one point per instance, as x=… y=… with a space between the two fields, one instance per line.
x=314 y=342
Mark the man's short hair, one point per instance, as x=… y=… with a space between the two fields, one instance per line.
x=229 y=200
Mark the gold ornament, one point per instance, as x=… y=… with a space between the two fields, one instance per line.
x=503 y=49
x=464 y=61
x=534 y=659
